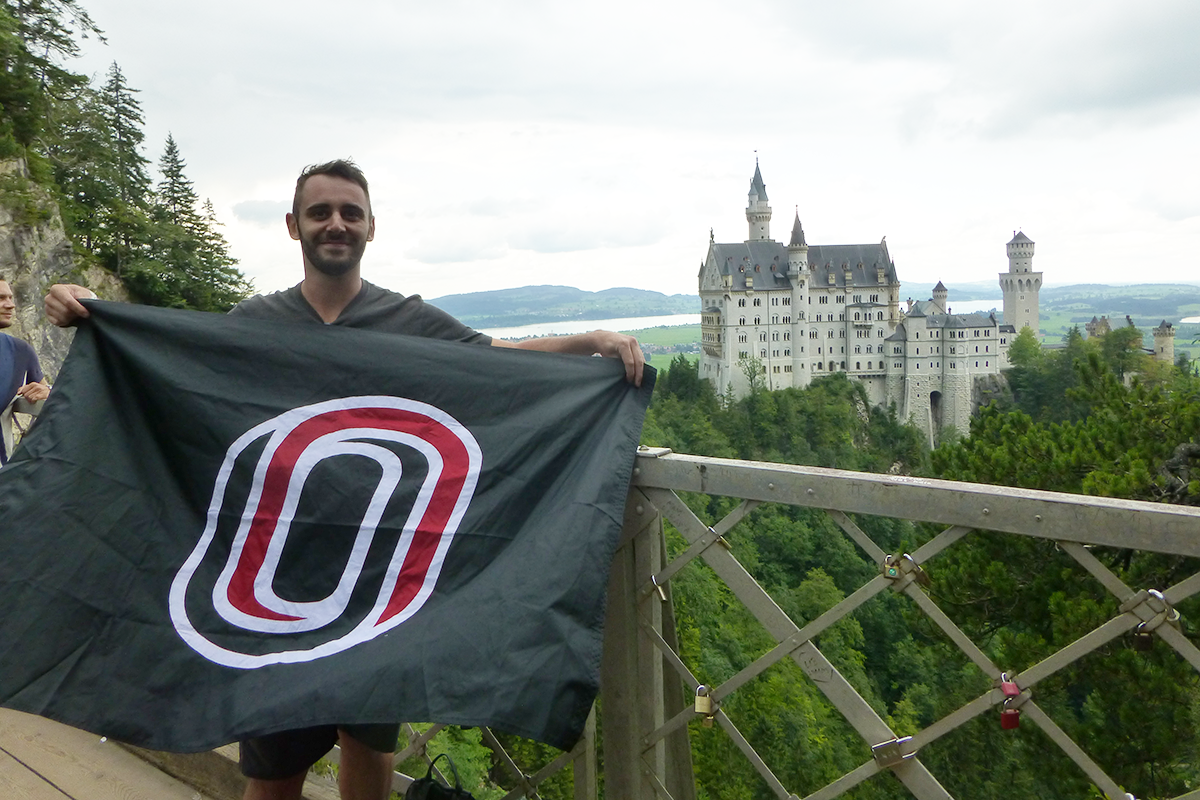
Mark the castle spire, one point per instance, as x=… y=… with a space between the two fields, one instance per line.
x=797 y=233
x=758 y=213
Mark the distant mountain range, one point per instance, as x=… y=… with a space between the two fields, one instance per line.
x=533 y=304
x=506 y=308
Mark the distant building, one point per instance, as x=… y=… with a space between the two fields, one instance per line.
x=1164 y=343
x=792 y=313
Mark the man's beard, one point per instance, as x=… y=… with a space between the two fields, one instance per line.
x=333 y=267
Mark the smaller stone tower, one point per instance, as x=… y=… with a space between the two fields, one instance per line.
x=1164 y=343
x=797 y=255
x=758 y=213
x=940 y=293
x=1021 y=285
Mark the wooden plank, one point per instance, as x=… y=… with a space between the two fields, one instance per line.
x=18 y=782
x=81 y=765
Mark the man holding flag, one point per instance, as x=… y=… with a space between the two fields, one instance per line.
x=331 y=219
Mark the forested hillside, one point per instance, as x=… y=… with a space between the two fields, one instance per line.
x=1074 y=425
x=81 y=145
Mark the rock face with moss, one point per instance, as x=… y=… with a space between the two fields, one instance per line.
x=34 y=254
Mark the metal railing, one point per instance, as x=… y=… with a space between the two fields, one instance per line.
x=647 y=686
x=649 y=695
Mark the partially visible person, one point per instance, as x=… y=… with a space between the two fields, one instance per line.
x=20 y=372
x=331 y=219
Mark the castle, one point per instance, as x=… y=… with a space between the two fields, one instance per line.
x=787 y=314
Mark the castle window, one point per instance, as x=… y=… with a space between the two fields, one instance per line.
x=858 y=365
x=874 y=298
x=774 y=354
x=858 y=298
x=896 y=349
x=742 y=354
x=870 y=365
x=987 y=333
x=774 y=301
x=897 y=365
x=742 y=302
x=775 y=336
x=775 y=370
x=918 y=334
x=830 y=335
x=741 y=320
x=856 y=316
x=787 y=336
x=918 y=351
x=986 y=363
x=823 y=300
x=757 y=320
x=869 y=348
x=787 y=301
x=841 y=298
x=758 y=301
x=857 y=349
x=787 y=352
x=879 y=332
x=787 y=368
x=820 y=365
x=787 y=319
x=742 y=338
x=812 y=334
x=774 y=319
x=986 y=349
x=977 y=363
x=841 y=317
x=818 y=317
x=879 y=315
x=762 y=354
x=843 y=365
x=762 y=337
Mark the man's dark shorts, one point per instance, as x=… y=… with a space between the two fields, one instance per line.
x=287 y=753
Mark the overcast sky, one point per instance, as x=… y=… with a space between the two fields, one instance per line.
x=595 y=144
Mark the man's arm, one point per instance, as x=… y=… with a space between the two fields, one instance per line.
x=33 y=392
x=62 y=303
x=606 y=343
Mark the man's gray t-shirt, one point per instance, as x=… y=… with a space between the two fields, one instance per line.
x=374 y=308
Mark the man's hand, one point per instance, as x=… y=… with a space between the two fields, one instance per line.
x=33 y=392
x=62 y=303
x=606 y=343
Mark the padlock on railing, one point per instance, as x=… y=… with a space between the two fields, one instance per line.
x=1008 y=688
x=1143 y=640
x=704 y=705
x=891 y=567
x=1010 y=718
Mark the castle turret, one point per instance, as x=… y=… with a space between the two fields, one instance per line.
x=758 y=213
x=1021 y=285
x=940 y=293
x=1164 y=343
x=797 y=255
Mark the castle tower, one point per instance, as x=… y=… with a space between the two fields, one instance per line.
x=758 y=213
x=940 y=294
x=1164 y=343
x=797 y=255
x=1021 y=285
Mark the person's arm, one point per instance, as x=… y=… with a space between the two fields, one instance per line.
x=606 y=343
x=33 y=392
x=62 y=303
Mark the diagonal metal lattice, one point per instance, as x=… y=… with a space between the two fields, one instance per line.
x=1074 y=523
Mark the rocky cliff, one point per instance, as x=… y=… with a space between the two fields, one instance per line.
x=36 y=253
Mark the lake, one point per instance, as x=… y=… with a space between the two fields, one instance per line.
x=670 y=320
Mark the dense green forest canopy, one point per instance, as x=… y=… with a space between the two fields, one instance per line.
x=1095 y=417
x=82 y=145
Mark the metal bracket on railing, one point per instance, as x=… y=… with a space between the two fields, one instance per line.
x=644 y=451
x=891 y=753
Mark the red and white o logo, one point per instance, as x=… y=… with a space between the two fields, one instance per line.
x=244 y=595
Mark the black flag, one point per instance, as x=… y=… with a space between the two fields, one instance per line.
x=223 y=527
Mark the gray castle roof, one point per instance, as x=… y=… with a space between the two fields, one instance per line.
x=767 y=262
x=1019 y=238
x=756 y=184
x=797 y=233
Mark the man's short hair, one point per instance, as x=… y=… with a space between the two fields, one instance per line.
x=339 y=168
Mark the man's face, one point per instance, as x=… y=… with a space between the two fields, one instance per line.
x=8 y=305
x=334 y=224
